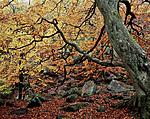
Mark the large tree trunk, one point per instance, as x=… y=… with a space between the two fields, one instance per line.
x=133 y=56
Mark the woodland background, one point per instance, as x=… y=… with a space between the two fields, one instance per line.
x=35 y=58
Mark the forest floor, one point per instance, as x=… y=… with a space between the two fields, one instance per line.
x=98 y=106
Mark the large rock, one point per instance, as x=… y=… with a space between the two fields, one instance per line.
x=117 y=86
x=89 y=88
x=71 y=98
x=61 y=93
x=20 y=111
x=74 y=107
x=36 y=101
x=74 y=90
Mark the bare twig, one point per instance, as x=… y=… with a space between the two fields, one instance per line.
x=8 y=3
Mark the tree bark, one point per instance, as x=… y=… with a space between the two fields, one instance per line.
x=133 y=56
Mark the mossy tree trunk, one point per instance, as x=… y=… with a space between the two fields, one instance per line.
x=133 y=56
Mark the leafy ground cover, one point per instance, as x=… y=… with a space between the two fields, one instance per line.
x=100 y=104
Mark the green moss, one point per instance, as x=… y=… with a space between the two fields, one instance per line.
x=5 y=89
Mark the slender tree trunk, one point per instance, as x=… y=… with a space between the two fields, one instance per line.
x=133 y=56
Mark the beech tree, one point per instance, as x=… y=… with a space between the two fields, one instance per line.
x=134 y=58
